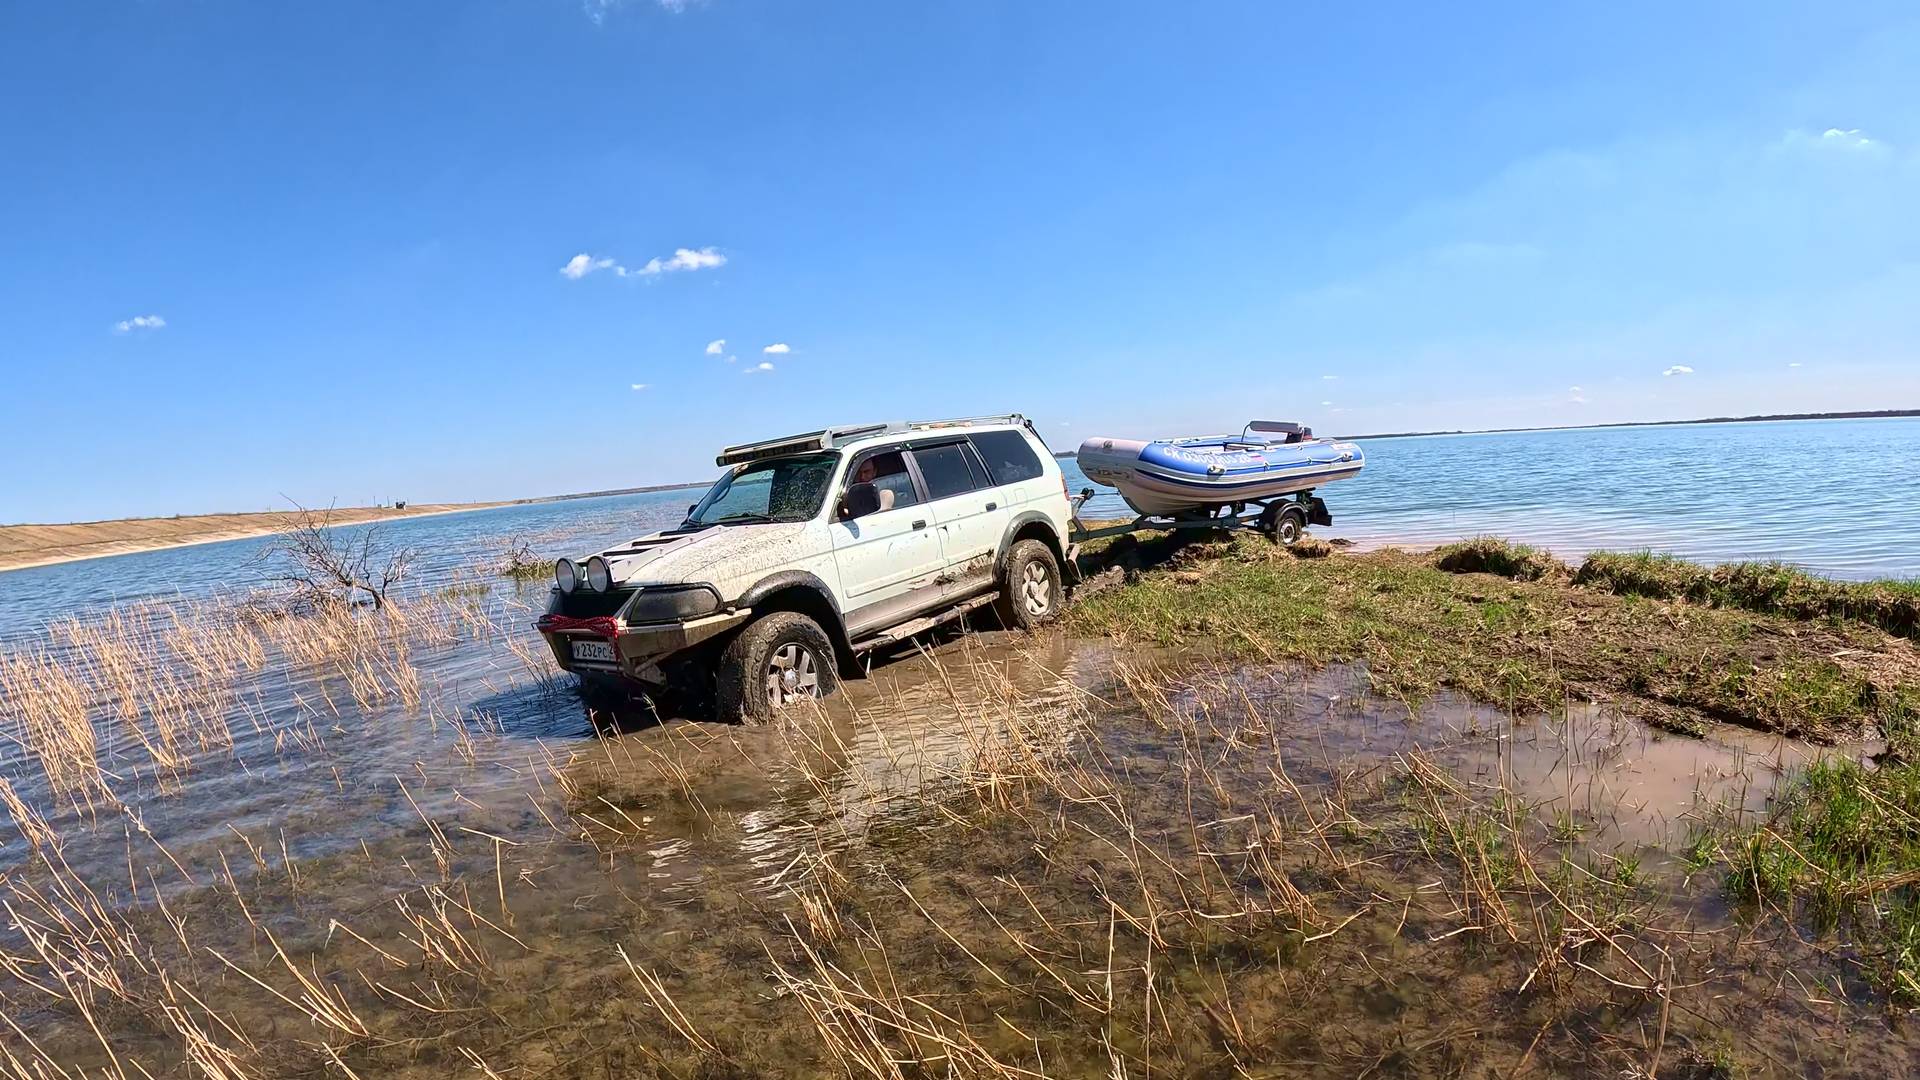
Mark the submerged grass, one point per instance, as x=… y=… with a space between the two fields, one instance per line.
x=1844 y=845
x=1502 y=624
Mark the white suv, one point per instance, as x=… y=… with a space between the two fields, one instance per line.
x=813 y=549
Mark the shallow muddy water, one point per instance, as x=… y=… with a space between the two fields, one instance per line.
x=1004 y=855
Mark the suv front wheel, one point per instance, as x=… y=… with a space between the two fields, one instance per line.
x=1032 y=593
x=777 y=660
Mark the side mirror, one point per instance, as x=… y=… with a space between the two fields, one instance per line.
x=691 y=507
x=861 y=500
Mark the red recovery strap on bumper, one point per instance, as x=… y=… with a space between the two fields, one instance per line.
x=604 y=625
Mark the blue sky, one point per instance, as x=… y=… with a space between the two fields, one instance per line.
x=251 y=252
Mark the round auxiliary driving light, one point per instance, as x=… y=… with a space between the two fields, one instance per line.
x=599 y=574
x=566 y=575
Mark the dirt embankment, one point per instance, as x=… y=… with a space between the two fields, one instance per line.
x=38 y=545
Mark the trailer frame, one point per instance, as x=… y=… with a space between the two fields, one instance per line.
x=1283 y=520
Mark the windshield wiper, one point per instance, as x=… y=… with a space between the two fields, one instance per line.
x=739 y=519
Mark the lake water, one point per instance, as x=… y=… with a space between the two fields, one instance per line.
x=1840 y=497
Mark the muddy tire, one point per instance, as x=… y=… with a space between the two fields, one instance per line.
x=777 y=660
x=1031 y=593
x=1287 y=526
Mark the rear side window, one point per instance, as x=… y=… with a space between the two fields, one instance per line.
x=945 y=470
x=1009 y=457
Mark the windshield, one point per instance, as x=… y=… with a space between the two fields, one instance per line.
x=777 y=489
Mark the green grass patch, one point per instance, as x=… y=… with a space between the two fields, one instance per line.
x=1510 y=634
x=1844 y=848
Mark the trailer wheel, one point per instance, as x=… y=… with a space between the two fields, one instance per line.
x=1287 y=526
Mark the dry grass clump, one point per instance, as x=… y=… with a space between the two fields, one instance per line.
x=1310 y=547
x=1503 y=558
x=522 y=563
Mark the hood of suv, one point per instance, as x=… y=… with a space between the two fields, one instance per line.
x=714 y=555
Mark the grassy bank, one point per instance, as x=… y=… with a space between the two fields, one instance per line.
x=1765 y=648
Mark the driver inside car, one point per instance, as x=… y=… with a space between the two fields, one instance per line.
x=888 y=475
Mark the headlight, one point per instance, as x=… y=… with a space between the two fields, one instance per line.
x=566 y=575
x=672 y=603
x=599 y=574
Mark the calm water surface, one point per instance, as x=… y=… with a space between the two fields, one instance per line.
x=1841 y=497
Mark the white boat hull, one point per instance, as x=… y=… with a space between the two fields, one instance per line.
x=1174 y=478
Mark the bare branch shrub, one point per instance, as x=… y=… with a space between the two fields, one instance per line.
x=326 y=567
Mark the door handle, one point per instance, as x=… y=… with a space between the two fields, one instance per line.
x=993 y=506
x=921 y=524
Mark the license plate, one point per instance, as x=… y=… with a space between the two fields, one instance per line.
x=593 y=650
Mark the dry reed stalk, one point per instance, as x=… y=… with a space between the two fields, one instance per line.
x=33 y=828
x=50 y=709
x=663 y=1003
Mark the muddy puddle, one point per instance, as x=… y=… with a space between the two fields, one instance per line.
x=998 y=855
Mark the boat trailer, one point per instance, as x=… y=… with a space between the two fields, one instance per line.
x=1283 y=519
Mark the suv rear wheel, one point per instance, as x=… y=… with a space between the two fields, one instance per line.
x=1031 y=594
x=777 y=660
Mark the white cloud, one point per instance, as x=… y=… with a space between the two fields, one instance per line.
x=706 y=258
x=1329 y=378
x=583 y=264
x=639 y=386
x=758 y=368
x=1573 y=389
x=1678 y=369
x=716 y=346
x=596 y=10
x=1326 y=403
x=1833 y=140
x=139 y=322
x=778 y=348
x=1793 y=363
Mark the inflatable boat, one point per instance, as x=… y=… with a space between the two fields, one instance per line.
x=1186 y=477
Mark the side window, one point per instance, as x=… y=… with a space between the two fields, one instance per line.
x=887 y=472
x=981 y=479
x=1008 y=455
x=945 y=470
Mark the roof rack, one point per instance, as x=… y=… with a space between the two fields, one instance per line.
x=963 y=421
x=824 y=439
x=828 y=438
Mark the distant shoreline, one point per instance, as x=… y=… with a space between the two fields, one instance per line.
x=23 y=547
x=1865 y=414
